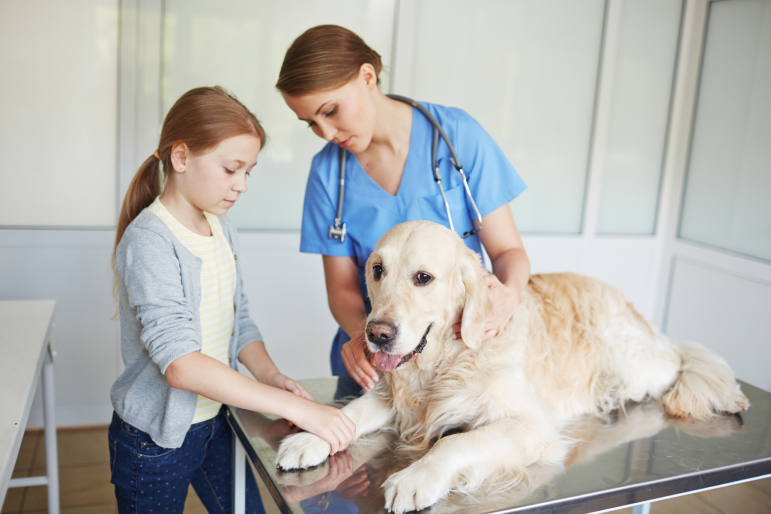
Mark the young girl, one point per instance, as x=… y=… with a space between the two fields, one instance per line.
x=185 y=321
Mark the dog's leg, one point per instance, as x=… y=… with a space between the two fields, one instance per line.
x=465 y=460
x=300 y=451
x=334 y=471
x=369 y=413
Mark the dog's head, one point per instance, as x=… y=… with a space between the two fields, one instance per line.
x=420 y=277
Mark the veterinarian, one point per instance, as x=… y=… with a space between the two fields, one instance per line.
x=185 y=321
x=329 y=78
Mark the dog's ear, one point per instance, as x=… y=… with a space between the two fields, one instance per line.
x=478 y=305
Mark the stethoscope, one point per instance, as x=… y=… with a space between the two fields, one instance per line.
x=338 y=230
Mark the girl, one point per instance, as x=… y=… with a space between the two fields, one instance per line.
x=329 y=78
x=185 y=321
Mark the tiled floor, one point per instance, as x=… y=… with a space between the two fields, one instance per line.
x=85 y=487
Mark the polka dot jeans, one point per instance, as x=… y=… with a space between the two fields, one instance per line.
x=151 y=479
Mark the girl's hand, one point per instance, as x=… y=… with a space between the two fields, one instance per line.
x=329 y=423
x=505 y=303
x=355 y=360
x=280 y=381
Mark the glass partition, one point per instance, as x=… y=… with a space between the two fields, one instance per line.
x=240 y=45
x=58 y=135
x=527 y=71
x=642 y=87
x=727 y=199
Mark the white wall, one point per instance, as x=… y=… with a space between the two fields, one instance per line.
x=286 y=288
x=727 y=313
x=73 y=268
x=59 y=63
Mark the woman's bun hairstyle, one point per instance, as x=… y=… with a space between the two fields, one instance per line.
x=323 y=58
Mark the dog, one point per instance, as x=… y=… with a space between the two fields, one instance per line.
x=359 y=473
x=574 y=347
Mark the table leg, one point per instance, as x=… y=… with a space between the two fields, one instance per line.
x=52 y=460
x=239 y=481
x=642 y=508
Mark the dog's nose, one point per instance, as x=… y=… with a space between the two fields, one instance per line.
x=381 y=332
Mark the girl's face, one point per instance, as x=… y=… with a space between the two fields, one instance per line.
x=214 y=180
x=346 y=115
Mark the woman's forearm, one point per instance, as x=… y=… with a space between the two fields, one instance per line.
x=512 y=267
x=347 y=307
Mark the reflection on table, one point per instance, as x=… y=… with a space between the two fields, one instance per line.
x=633 y=455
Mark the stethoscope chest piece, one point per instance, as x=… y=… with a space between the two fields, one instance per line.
x=338 y=230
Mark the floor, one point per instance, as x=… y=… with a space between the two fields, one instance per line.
x=85 y=487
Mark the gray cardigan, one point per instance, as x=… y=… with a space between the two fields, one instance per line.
x=160 y=295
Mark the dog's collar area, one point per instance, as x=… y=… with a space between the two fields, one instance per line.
x=418 y=349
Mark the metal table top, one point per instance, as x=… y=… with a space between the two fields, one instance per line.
x=633 y=456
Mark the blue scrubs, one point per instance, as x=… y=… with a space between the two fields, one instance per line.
x=369 y=211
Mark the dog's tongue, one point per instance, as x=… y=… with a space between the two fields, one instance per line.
x=386 y=362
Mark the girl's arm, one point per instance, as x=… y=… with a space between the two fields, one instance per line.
x=256 y=359
x=209 y=377
x=511 y=267
x=347 y=307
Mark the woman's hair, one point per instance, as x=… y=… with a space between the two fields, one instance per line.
x=322 y=58
x=201 y=119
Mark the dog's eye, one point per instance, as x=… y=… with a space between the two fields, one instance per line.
x=422 y=279
x=377 y=270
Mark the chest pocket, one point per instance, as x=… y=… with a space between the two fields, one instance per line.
x=432 y=209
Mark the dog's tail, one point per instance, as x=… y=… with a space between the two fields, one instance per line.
x=706 y=385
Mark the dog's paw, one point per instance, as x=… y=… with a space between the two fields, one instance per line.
x=302 y=477
x=302 y=451
x=415 y=487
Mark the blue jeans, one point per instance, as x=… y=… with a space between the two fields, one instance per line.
x=151 y=479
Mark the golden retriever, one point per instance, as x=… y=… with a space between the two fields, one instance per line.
x=573 y=347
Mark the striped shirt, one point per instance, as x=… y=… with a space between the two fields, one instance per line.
x=218 y=286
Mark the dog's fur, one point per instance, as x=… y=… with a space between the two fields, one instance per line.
x=381 y=454
x=573 y=347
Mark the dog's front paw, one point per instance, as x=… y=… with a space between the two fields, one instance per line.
x=302 y=451
x=414 y=488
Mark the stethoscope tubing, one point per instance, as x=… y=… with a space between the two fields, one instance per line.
x=338 y=230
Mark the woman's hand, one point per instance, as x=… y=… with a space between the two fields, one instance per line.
x=505 y=303
x=329 y=423
x=511 y=269
x=358 y=365
x=280 y=381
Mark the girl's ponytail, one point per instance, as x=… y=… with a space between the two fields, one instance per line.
x=144 y=188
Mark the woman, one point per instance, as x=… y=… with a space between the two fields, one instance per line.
x=329 y=78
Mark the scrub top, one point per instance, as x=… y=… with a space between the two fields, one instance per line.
x=369 y=211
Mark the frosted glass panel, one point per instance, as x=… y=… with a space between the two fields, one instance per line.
x=240 y=45
x=527 y=71
x=642 y=86
x=727 y=201
x=58 y=107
